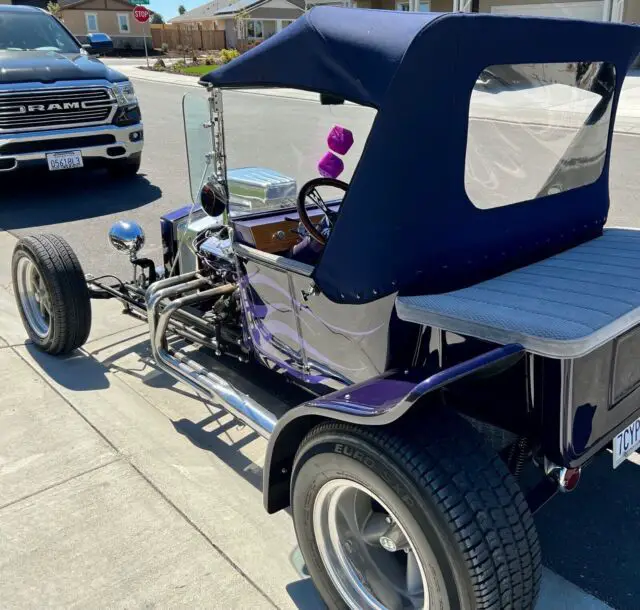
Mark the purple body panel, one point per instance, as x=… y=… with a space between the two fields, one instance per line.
x=378 y=401
x=315 y=341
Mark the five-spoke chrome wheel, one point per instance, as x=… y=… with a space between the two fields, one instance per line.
x=34 y=296
x=366 y=551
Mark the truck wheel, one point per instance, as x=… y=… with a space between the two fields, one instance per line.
x=390 y=518
x=51 y=293
x=126 y=168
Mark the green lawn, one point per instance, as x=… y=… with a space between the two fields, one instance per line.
x=197 y=70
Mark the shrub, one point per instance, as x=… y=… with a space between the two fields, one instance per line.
x=165 y=47
x=180 y=63
x=226 y=55
x=210 y=60
x=159 y=65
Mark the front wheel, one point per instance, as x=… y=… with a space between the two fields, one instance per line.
x=389 y=519
x=51 y=293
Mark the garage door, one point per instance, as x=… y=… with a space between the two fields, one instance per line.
x=591 y=10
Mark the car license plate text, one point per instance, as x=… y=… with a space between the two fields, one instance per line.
x=626 y=442
x=64 y=160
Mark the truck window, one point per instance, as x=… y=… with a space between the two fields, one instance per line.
x=30 y=31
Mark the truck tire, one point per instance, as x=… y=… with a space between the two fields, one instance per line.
x=391 y=518
x=126 y=168
x=51 y=293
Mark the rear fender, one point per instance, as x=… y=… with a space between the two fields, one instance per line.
x=376 y=402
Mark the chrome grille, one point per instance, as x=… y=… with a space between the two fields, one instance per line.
x=55 y=108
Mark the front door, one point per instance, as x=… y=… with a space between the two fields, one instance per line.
x=272 y=323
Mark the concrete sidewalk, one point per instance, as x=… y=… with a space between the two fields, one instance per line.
x=559 y=113
x=120 y=489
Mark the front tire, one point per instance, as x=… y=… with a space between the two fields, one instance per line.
x=388 y=518
x=51 y=293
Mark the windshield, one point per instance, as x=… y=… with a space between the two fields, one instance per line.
x=31 y=31
x=277 y=143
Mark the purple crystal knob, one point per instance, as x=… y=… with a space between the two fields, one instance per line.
x=340 y=140
x=330 y=166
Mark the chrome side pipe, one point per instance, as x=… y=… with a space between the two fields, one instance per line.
x=207 y=384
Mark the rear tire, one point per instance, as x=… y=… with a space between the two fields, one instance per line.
x=126 y=168
x=468 y=524
x=51 y=293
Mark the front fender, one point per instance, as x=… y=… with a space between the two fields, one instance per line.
x=376 y=402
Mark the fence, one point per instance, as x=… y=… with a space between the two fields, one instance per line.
x=187 y=36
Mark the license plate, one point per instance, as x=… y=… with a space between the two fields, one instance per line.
x=64 y=160
x=626 y=443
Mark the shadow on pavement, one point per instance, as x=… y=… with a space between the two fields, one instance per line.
x=590 y=536
x=74 y=371
x=36 y=198
x=305 y=596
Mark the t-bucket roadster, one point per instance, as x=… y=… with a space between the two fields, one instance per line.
x=457 y=317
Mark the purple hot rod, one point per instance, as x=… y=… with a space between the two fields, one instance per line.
x=452 y=316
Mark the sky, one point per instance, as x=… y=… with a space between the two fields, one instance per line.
x=169 y=8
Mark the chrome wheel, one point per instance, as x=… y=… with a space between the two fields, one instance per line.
x=366 y=551
x=34 y=297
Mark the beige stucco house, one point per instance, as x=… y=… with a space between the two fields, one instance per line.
x=259 y=18
x=111 y=17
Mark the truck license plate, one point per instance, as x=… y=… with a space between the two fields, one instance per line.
x=64 y=160
x=625 y=443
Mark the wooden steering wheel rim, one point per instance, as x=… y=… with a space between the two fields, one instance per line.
x=302 y=208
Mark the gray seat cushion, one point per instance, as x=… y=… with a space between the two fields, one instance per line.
x=562 y=307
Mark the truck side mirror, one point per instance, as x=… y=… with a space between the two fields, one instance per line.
x=98 y=44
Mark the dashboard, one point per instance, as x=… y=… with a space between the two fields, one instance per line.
x=273 y=232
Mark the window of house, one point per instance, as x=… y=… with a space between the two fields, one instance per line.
x=283 y=23
x=123 y=23
x=254 y=29
x=537 y=130
x=92 y=22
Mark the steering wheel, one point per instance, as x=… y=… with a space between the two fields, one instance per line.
x=309 y=191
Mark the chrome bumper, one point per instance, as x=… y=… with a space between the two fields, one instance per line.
x=123 y=144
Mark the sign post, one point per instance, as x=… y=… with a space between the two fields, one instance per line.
x=141 y=15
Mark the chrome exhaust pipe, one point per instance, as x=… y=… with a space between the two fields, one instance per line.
x=207 y=384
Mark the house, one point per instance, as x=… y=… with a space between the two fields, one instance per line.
x=111 y=17
x=202 y=16
x=263 y=18
x=255 y=20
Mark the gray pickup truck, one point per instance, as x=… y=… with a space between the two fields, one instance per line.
x=60 y=106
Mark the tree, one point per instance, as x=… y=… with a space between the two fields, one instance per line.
x=54 y=9
x=157 y=18
x=240 y=19
x=181 y=9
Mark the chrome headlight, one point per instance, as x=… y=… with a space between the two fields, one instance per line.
x=125 y=94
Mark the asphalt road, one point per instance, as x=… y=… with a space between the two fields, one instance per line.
x=589 y=537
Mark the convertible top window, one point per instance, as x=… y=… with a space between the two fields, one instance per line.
x=34 y=32
x=520 y=147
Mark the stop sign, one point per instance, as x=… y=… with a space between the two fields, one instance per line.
x=141 y=14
